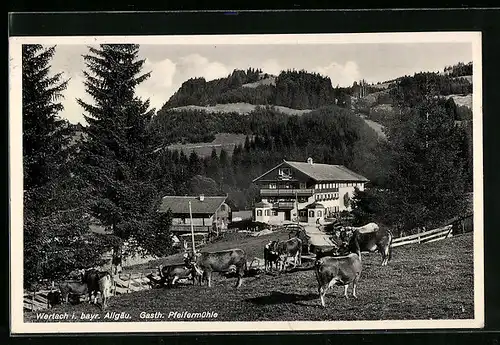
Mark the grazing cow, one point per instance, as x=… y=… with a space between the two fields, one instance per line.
x=171 y=274
x=290 y=248
x=73 y=288
x=340 y=271
x=209 y=262
x=364 y=240
x=321 y=253
x=271 y=255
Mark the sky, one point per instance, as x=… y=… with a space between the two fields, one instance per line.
x=171 y=65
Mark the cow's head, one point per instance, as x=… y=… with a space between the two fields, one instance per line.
x=190 y=258
x=343 y=249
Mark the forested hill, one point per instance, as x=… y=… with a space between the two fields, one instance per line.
x=293 y=89
x=326 y=126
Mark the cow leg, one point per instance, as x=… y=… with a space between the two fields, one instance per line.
x=322 y=292
x=354 y=283
x=174 y=280
x=345 y=291
x=240 y=280
x=209 y=279
x=387 y=248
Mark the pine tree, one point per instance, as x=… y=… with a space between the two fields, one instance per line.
x=56 y=233
x=118 y=151
x=427 y=170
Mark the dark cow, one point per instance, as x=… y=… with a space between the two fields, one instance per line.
x=97 y=283
x=53 y=298
x=330 y=251
x=290 y=248
x=221 y=261
x=171 y=274
x=73 y=288
x=370 y=240
x=271 y=255
x=340 y=271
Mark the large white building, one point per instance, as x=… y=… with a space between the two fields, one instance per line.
x=307 y=190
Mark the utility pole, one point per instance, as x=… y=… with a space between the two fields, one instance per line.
x=297 y=207
x=192 y=228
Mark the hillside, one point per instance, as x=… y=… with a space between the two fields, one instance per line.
x=421 y=282
x=241 y=108
x=222 y=141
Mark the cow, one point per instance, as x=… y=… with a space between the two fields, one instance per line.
x=92 y=278
x=208 y=262
x=340 y=271
x=171 y=274
x=292 y=248
x=330 y=251
x=73 y=288
x=53 y=298
x=370 y=239
x=270 y=255
x=105 y=286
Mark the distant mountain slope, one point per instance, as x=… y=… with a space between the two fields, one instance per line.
x=226 y=141
x=241 y=108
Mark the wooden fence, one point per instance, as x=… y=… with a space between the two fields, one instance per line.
x=424 y=237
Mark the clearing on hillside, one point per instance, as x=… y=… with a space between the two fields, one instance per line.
x=422 y=281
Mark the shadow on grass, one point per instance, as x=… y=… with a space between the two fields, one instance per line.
x=277 y=297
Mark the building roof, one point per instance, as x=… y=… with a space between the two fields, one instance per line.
x=180 y=204
x=315 y=205
x=327 y=172
x=262 y=204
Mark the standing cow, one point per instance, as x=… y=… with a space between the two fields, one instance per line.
x=370 y=238
x=209 y=262
x=340 y=271
x=97 y=283
x=271 y=255
x=73 y=288
x=290 y=248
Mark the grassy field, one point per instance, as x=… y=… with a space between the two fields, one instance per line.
x=226 y=141
x=426 y=281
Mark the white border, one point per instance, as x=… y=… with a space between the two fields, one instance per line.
x=16 y=186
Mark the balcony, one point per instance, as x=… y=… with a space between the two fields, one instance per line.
x=286 y=192
x=284 y=205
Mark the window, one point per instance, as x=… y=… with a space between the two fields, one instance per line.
x=311 y=214
x=302 y=185
x=319 y=213
x=274 y=212
x=259 y=213
x=223 y=208
x=272 y=186
x=266 y=212
x=284 y=172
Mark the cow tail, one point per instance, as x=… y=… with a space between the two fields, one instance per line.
x=390 y=245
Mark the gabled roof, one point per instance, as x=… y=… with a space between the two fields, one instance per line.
x=180 y=204
x=322 y=172
x=327 y=172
